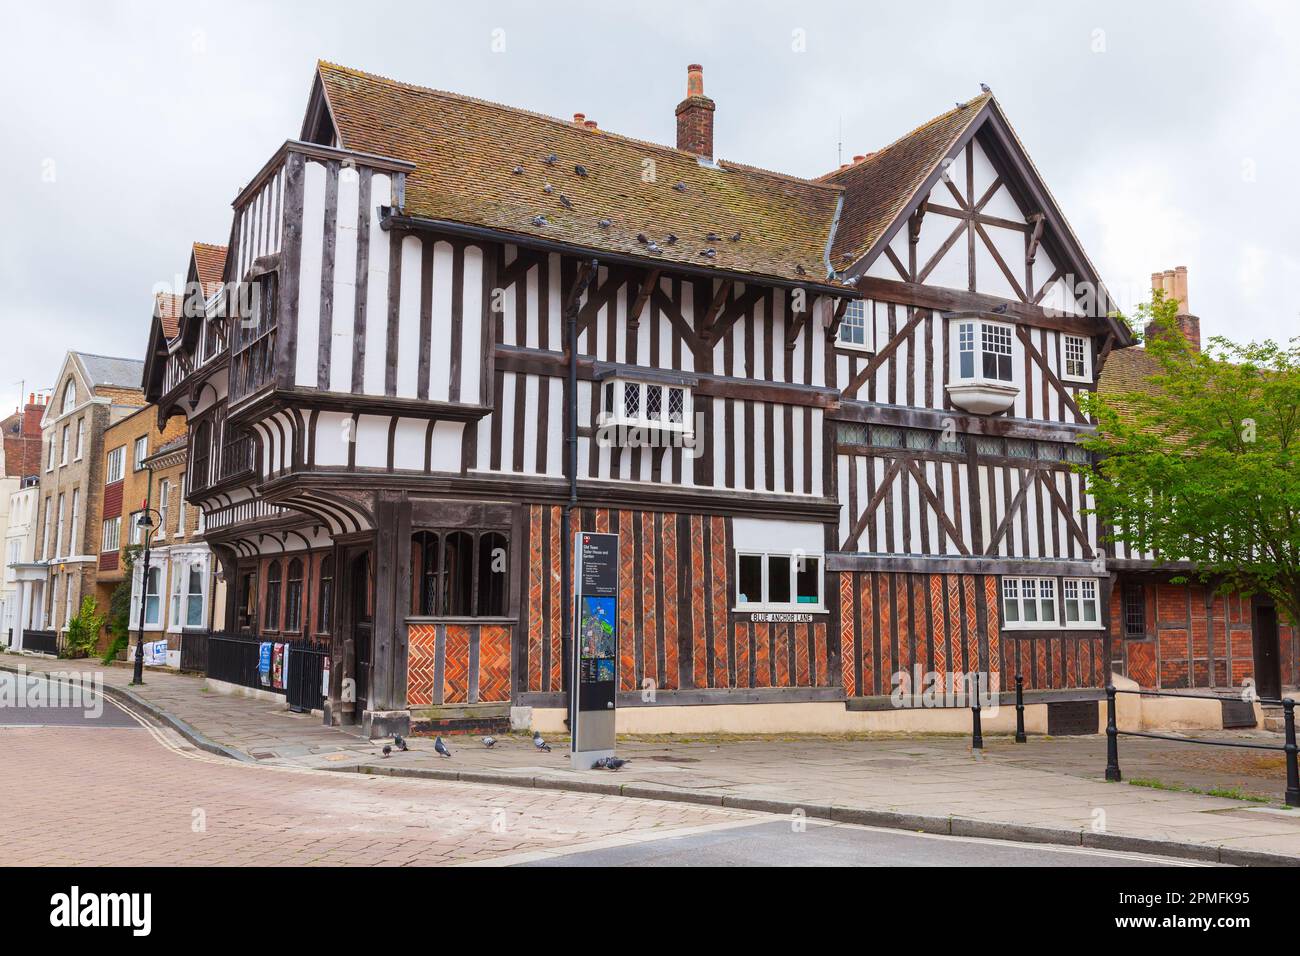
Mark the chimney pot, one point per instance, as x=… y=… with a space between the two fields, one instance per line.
x=579 y=117
x=1173 y=283
x=858 y=159
x=590 y=124
x=695 y=116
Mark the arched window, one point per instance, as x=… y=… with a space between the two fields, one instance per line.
x=425 y=565
x=458 y=574
x=69 y=396
x=272 y=619
x=492 y=569
x=325 y=598
x=293 y=596
x=201 y=457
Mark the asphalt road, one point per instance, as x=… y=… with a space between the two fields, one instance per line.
x=777 y=843
x=36 y=702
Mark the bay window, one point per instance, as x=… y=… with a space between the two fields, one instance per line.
x=639 y=404
x=194 y=596
x=982 y=371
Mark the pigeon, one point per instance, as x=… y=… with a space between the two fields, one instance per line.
x=736 y=236
x=580 y=169
x=400 y=742
x=801 y=270
x=709 y=253
x=551 y=160
x=517 y=171
x=680 y=187
x=653 y=246
x=711 y=237
x=671 y=239
x=613 y=763
x=489 y=742
x=539 y=220
x=548 y=189
x=1000 y=309
x=564 y=201
x=853 y=281
x=984 y=88
x=641 y=238
x=603 y=223
x=539 y=742
x=440 y=748
x=387 y=750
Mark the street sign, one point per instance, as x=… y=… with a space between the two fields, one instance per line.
x=595 y=646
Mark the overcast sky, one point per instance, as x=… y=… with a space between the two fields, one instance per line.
x=1166 y=131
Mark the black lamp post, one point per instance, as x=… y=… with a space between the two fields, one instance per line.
x=146 y=523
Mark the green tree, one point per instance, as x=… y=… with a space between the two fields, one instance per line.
x=83 y=629
x=1200 y=466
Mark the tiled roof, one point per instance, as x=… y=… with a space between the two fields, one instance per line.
x=466 y=151
x=1126 y=372
x=879 y=187
x=105 y=370
x=211 y=263
x=169 y=309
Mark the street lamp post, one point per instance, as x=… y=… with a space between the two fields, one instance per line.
x=146 y=523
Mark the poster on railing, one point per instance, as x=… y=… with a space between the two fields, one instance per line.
x=278 y=666
x=264 y=664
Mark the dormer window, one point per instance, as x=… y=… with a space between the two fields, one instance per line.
x=1077 y=358
x=982 y=376
x=633 y=404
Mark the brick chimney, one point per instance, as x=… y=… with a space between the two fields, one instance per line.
x=1173 y=283
x=695 y=116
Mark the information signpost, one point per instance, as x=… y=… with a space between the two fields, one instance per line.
x=595 y=626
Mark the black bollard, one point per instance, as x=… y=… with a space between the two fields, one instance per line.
x=977 y=737
x=1020 y=709
x=1112 y=737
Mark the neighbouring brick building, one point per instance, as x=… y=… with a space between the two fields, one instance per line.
x=91 y=393
x=1170 y=635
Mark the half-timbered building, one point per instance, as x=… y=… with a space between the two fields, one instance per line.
x=833 y=421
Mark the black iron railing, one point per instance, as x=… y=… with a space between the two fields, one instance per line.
x=42 y=642
x=304 y=689
x=194 y=651
x=236 y=659
x=1288 y=747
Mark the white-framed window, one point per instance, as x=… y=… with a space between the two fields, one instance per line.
x=857 y=325
x=634 y=404
x=984 y=351
x=1079 y=599
x=194 y=604
x=49 y=458
x=63 y=445
x=58 y=530
x=152 y=596
x=164 y=498
x=69 y=396
x=116 y=465
x=141 y=451
x=174 y=611
x=45 y=530
x=773 y=580
x=112 y=535
x=81 y=439
x=1076 y=358
x=181 y=508
x=137 y=532
x=1028 y=602
x=73 y=547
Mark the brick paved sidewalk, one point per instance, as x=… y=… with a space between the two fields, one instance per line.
x=1048 y=789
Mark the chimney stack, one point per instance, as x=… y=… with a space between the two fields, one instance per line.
x=695 y=116
x=1173 y=283
x=578 y=118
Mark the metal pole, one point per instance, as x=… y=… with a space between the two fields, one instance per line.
x=138 y=674
x=1292 y=777
x=1020 y=709
x=977 y=737
x=1112 y=737
x=584 y=279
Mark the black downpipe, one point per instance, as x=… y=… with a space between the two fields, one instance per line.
x=585 y=278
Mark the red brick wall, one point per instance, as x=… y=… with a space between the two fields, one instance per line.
x=1190 y=643
x=676 y=626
